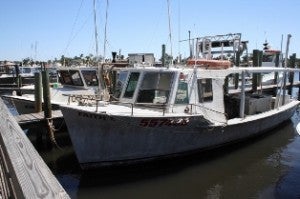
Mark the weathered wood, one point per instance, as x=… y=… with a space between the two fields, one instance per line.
x=46 y=95
x=291 y=64
x=255 y=75
x=26 y=120
x=29 y=175
x=38 y=92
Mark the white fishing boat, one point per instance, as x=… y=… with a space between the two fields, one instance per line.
x=169 y=112
x=76 y=84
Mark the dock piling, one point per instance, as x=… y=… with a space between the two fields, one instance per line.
x=38 y=92
x=255 y=75
x=292 y=63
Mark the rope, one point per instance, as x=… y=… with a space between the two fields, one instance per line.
x=51 y=131
x=212 y=110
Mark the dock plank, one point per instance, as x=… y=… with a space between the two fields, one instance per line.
x=34 y=118
x=30 y=176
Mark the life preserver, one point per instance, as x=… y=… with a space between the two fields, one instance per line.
x=272 y=51
x=209 y=63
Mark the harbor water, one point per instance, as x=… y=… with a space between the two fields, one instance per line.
x=265 y=167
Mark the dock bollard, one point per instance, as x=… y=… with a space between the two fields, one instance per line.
x=38 y=92
x=48 y=108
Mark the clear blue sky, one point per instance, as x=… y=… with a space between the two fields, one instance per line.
x=66 y=27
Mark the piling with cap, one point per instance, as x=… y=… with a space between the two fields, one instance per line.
x=38 y=92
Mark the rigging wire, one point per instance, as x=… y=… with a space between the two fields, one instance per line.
x=105 y=30
x=73 y=28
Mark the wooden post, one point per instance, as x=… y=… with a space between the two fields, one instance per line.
x=38 y=92
x=285 y=66
x=46 y=95
x=259 y=78
x=276 y=65
x=236 y=76
x=242 y=102
x=255 y=75
x=292 y=63
x=18 y=80
x=163 y=55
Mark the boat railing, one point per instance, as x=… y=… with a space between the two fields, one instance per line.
x=82 y=100
x=94 y=100
x=163 y=107
x=193 y=107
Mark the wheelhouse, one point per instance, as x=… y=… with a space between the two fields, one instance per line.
x=78 y=77
x=176 y=90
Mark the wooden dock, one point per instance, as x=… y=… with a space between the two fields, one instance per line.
x=23 y=173
x=33 y=119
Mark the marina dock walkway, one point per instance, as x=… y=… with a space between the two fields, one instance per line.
x=27 y=120
x=23 y=172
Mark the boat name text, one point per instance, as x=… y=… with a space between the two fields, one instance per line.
x=95 y=116
x=164 y=122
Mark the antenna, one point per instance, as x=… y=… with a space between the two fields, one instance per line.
x=170 y=31
x=179 y=28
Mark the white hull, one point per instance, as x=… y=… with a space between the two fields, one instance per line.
x=101 y=139
x=26 y=106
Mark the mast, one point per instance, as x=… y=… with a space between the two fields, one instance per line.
x=170 y=31
x=96 y=32
x=105 y=30
x=100 y=84
x=285 y=66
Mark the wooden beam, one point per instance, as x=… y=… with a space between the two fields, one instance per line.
x=27 y=173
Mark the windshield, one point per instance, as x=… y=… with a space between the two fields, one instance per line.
x=155 y=87
x=90 y=77
x=121 y=78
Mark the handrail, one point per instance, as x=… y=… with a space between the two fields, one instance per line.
x=26 y=174
x=132 y=105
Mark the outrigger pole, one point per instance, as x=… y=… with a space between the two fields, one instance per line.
x=285 y=66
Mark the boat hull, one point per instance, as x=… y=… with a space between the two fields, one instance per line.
x=24 y=106
x=101 y=139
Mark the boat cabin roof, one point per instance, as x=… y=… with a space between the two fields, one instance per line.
x=78 y=77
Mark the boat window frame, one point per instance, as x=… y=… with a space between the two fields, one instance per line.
x=205 y=90
x=131 y=85
x=65 y=77
x=158 y=93
x=120 y=83
x=90 y=79
x=180 y=100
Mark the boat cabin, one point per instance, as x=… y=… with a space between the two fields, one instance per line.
x=190 y=91
x=174 y=90
x=78 y=77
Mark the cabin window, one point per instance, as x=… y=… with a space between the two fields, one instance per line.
x=65 y=78
x=182 y=93
x=70 y=78
x=205 y=93
x=155 y=88
x=2 y=69
x=90 y=77
x=121 y=79
x=76 y=79
x=268 y=58
x=131 y=85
